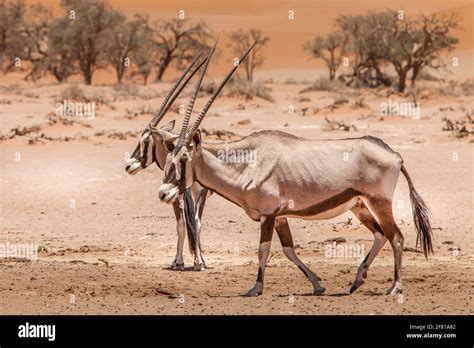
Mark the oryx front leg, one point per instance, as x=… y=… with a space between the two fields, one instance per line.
x=266 y=225
x=178 y=263
x=368 y=220
x=284 y=233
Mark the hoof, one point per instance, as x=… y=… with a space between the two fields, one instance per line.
x=255 y=291
x=355 y=286
x=395 y=290
x=200 y=267
x=177 y=267
x=319 y=292
x=251 y=293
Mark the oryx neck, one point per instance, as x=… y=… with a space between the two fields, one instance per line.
x=213 y=173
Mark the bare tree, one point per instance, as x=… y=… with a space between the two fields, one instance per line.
x=331 y=49
x=408 y=44
x=178 y=40
x=11 y=41
x=87 y=25
x=144 y=55
x=61 y=59
x=123 y=40
x=433 y=39
x=36 y=29
x=365 y=47
x=241 y=41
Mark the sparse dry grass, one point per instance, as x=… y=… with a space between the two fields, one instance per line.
x=242 y=88
x=324 y=85
x=125 y=91
x=468 y=87
x=459 y=128
x=73 y=93
x=141 y=110
x=456 y=89
x=332 y=125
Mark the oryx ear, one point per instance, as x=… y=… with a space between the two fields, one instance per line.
x=169 y=126
x=162 y=133
x=197 y=140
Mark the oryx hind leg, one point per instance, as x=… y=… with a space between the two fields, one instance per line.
x=178 y=263
x=381 y=209
x=367 y=219
x=284 y=233
x=199 y=264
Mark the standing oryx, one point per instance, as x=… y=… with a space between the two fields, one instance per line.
x=149 y=151
x=301 y=178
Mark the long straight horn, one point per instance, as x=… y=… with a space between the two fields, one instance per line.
x=189 y=110
x=214 y=96
x=162 y=111
x=178 y=91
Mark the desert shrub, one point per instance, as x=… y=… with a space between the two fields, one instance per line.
x=452 y=89
x=304 y=100
x=141 y=110
x=12 y=88
x=208 y=87
x=130 y=90
x=76 y=94
x=242 y=88
x=30 y=94
x=426 y=76
x=125 y=90
x=332 y=125
x=147 y=93
x=290 y=81
x=459 y=128
x=457 y=89
x=468 y=87
x=324 y=85
x=73 y=92
x=360 y=103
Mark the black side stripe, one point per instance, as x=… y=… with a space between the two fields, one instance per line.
x=170 y=177
x=145 y=150
x=155 y=158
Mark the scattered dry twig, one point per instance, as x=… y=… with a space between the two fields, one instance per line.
x=335 y=125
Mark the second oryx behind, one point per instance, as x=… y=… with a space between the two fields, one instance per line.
x=148 y=151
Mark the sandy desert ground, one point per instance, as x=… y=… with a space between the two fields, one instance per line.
x=105 y=241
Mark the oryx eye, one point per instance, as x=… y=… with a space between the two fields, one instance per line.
x=147 y=139
x=169 y=146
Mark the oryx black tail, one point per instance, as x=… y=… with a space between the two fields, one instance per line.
x=424 y=234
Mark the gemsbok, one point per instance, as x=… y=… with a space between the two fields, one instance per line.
x=149 y=151
x=294 y=177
